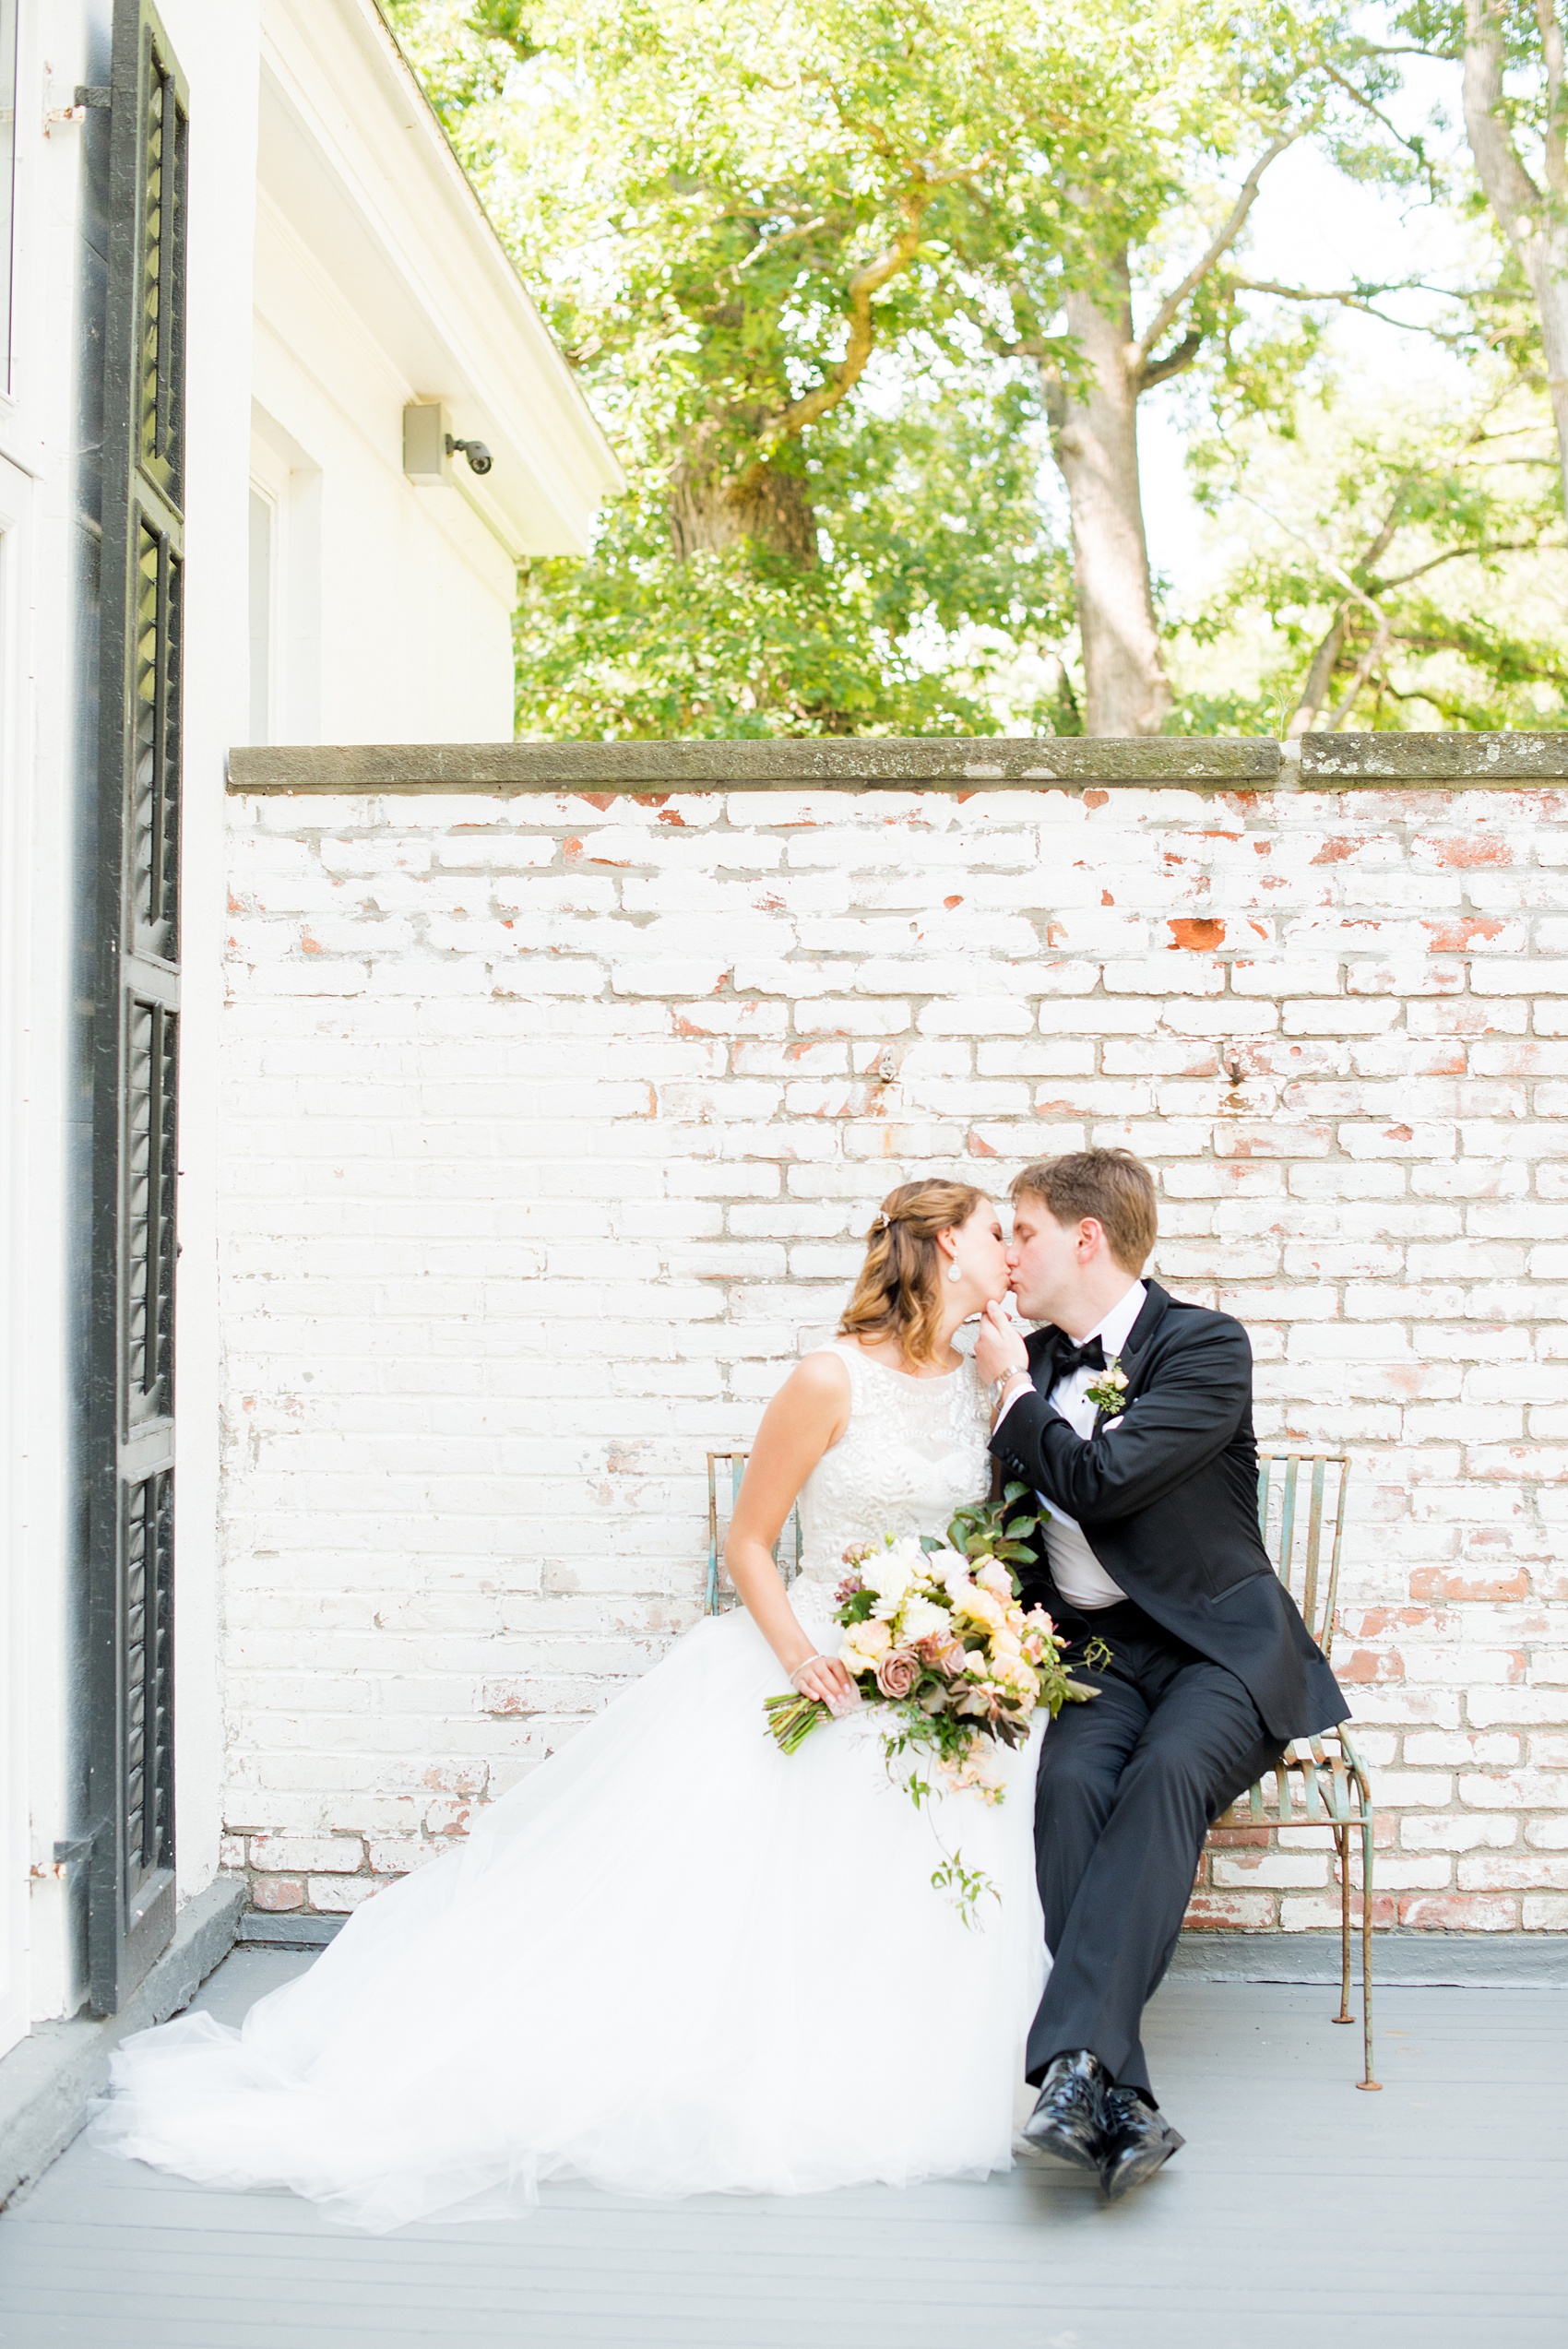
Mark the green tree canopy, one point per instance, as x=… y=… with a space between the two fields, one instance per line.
x=1395 y=565
x=842 y=276
x=743 y=219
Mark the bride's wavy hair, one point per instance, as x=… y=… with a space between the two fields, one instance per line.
x=898 y=1293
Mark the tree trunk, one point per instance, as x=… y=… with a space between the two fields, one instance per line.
x=1095 y=443
x=1320 y=677
x=1545 y=258
x=767 y=505
x=1532 y=221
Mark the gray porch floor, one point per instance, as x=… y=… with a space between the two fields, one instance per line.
x=1299 y=2212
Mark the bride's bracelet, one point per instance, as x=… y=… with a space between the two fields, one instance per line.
x=795 y=1675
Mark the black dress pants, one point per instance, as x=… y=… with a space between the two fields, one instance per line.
x=1129 y=1786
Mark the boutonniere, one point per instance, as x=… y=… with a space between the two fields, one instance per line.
x=1109 y=1391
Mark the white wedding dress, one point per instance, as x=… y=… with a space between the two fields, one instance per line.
x=673 y=1960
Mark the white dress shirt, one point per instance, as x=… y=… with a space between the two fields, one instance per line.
x=1077 y=1573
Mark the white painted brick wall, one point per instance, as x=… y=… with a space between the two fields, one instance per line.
x=549 y=1128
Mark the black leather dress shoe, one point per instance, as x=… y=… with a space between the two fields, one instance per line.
x=1068 y=2118
x=1136 y=2141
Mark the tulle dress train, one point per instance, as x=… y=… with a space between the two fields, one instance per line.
x=671 y=1961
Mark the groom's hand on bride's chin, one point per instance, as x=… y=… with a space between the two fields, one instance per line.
x=999 y=1347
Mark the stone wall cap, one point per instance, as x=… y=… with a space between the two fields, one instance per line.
x=861 y=764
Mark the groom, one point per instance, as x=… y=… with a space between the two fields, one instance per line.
x=1130 y=1414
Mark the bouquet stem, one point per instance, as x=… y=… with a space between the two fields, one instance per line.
x=792 y=1719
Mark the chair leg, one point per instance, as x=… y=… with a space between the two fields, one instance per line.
x=1342 y=1845
x=1366 y=1951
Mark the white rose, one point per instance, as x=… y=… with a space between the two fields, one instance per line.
x=922 y=1620
x=890 y=1571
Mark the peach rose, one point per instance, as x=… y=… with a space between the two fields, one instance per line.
x=863 y=1644
x=979 y=1606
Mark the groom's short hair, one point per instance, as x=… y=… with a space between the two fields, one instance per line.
x=1112 y=1186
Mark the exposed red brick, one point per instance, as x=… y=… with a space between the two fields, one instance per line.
x=1457 y=937
x=1198 y=934
x=1230 y=1911
x=1456 y=1913
x=274 y=1892
x=1469 y=849
x=1445 y=1583
x=1363 y=1665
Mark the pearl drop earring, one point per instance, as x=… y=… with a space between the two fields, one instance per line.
x=953 y=1273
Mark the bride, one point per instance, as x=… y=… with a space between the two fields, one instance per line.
x=674 y=1959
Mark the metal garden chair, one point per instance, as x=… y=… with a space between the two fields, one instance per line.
x=1320 y=1782
x=725 y=1470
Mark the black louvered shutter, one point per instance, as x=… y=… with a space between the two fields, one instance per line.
x=135 y=1021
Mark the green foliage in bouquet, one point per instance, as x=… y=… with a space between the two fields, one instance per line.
x=993 y=1529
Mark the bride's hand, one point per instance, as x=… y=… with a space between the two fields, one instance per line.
x=824 y=1677
x=1000 y=1347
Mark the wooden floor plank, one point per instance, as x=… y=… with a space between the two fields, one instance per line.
x=1428 y=2217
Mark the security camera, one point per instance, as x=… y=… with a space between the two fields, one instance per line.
x=479 y=456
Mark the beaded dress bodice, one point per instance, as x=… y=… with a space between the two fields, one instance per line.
x=915 y=1450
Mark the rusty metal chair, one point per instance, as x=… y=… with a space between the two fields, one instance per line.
x=1321 y=1781
x=785 y=1550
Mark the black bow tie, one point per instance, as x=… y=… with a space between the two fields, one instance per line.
x=1066 y=1357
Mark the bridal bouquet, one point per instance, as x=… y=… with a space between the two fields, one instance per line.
x=934 y=1630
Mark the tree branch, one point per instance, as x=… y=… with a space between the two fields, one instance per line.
x=1320 y=675
x=1327 y=654
x=891 y=263
x=1335 y=571
x=1364 y=669
x=1511 y=191
x=1359 y=98
x=1453 y=554
x=1555 y=159
x=1175 y=362
x=1407 y=49
x=1220 y=246
x=1354 y=298
x=786 y=236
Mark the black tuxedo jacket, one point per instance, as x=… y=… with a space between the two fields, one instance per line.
x=1167 y=1501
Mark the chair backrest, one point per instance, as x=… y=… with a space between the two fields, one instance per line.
x=725 y=1470
x=1300 y=1513
x=1302 y=1518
